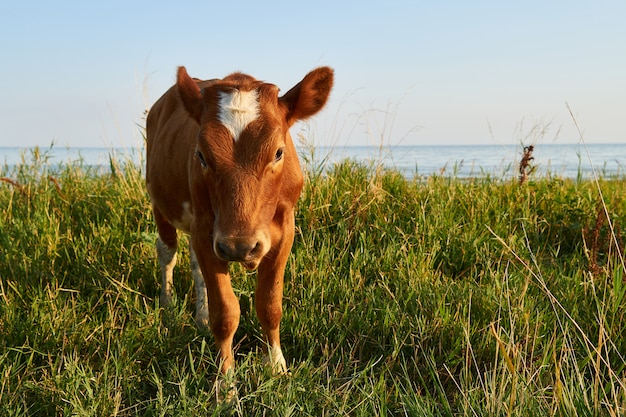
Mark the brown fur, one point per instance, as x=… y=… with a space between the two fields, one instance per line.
x=239 y=196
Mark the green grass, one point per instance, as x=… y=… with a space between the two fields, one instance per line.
x=436 y=296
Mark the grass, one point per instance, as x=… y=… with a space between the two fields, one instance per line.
x=426 y=297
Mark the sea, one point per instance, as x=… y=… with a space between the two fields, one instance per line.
x=575 y=161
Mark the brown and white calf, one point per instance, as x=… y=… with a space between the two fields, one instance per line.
x=221 y=166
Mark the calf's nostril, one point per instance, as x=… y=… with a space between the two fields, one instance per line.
x=256 y=249
x=223 y=250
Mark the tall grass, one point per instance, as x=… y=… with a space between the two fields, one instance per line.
x=434 y=296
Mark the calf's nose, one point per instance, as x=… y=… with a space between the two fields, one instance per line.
x=238 y=249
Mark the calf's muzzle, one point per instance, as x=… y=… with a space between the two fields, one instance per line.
x=247 y=250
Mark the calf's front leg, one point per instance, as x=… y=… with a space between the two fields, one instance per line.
x=223 y=305
x=224 y=313
x=269 y=297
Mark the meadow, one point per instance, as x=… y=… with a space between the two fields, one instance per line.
x=435 y=296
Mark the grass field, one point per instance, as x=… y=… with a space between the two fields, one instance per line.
x=436 y=296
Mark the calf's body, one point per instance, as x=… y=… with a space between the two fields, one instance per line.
x=221 y=166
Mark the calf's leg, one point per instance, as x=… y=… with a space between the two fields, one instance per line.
x=202 y=307
x=166 y=245
x=223 y=305
x=224 y=313
x=269 y=297
x=268 y=303
x=167 y=261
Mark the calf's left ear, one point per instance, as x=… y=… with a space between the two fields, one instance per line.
x=189 y=93
x=308 y=96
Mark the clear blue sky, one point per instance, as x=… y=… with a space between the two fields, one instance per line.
x=81 y=73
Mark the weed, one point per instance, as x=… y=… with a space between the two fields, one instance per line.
x=600 y=241
x=525 y=167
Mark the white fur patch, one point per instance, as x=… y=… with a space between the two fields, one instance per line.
x=237 y=110
x=184 y=223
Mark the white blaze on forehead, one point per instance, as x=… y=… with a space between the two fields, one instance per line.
x=237 y=109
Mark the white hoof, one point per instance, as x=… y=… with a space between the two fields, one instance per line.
x=276 y=360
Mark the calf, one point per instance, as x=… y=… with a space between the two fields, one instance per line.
x=221 y=166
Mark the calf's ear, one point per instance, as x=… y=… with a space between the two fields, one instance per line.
x=308 y=96
x=189 y=93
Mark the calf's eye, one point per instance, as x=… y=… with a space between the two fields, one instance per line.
x=202 y=160
x=279 y=154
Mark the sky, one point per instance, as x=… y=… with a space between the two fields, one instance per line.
x=83 y=73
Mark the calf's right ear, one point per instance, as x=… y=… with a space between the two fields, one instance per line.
x=189 y=93
x=308 y=96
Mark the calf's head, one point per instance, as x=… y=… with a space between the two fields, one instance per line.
x=245 y=171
